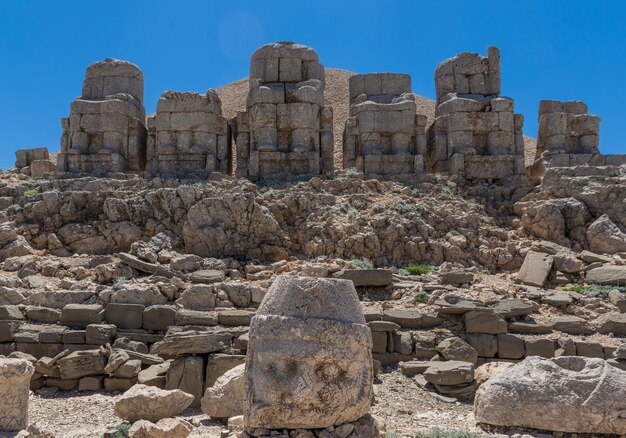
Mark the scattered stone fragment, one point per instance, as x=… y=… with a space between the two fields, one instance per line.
x=451 y=372
x=224 y=398
x=143 y=402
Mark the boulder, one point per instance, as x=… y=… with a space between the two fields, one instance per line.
x=165 y=428
x=566 y=394
x=605 y=236
x=490 y=369
x=455 y=348
x=143 y=402
x=366 y=277
x=452 y=372
x=608 y=274
x=477 y=321
x=225 y=398
x=612 y=323
x=535 y=269
x=191 y=342
x=206 y=276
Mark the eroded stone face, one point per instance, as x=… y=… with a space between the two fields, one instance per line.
x=309 y=362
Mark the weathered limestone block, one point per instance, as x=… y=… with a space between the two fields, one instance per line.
x=105 y=132
x=224 y=399
x=565 y=394
x=25 y=157
x=15 y=377
x=476 y=132
x=285 y=130
x=149 y=403
x=188 y=136
x=309 y=362
x=384 y=135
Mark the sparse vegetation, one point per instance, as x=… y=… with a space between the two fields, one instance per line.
x=418 y=269
x=119 y=283
x=362 y=263
x=121 y=430
x=594 y=290
x=30 y=193
x=389 y=434
x=405 y=208
x=420 y=298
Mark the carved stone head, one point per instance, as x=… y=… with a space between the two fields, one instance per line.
x=309 y=362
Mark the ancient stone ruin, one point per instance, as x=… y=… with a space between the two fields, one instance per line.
x=475 y=133
x=309 y=362
x=105 y=132
x=188 y=136
x=15 y=377
x=285 y=130
x=384 y=135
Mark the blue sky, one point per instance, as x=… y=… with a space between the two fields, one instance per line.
x=562 y=50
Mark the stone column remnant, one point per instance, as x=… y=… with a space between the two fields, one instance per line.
x=383 y=134
x=285 y=130
x=309 y=362
x=188 y=136
x=476 y=133
x=105 y=132
x=15 y=377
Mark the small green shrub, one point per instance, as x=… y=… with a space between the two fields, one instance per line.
x=420 y=297
x=391 y=435
x=30 y=193
x=365 y=299
x=406 y=209
x=418 y=269
x=485 y=219
x=119 y=283
x=439 y=433
x=121 y=430
x=595 y=290
x=362 y=263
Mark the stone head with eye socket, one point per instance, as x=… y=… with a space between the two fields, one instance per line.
x=309 y=362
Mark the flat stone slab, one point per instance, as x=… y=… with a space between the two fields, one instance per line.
x=535 y=269
x=191 y=342
x=453 y=305
x=366 y=277
x=411 y=318
x=207 y=276
x=607 y=275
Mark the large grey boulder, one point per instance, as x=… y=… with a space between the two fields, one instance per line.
x=605 y=236
x=309 y=361
x=150 y=403
x=608 y=274
x=225 y=398
x=565 y=394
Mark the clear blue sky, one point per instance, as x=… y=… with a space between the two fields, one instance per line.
x=550 y=50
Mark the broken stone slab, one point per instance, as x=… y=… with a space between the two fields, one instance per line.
x=607 y=275
x=612 y=323
x=218 y=364
x=618 y=299
x=196 y=317
x=455 y=348
x=481 y=321
x=207 y=276
x=81 y=315
x=10 y=312
x=155 y=375
x=224 y=399
x=605 y=236
x=150 y=268
x=164 y=428
x=572 y=325
x=366 y=277
x=585 y=394
x=383 y=326
x=411 y=318
x=512 y=307
x=187 y=374
x=414 y=367
x=457 y=277
x=592 y=257
x=454 y=305
x=143 y=402
x=558 y=299
x=535 y=268
x=191 y=342
x=452 y=372
x=82 y=364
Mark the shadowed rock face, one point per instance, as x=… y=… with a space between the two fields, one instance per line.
x=309 y=363
x=566 y=394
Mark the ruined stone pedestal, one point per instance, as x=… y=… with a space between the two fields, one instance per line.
x=309 y=362
x=285 y=131
x=188 y=136
x=568 y=136
x=476 y=133
x=15 y=377
x=105 y=132
x=383 y=135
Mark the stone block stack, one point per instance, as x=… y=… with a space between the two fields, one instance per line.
x=476 y=133
x=286 y=130
x=105 y=132
x=188 y=136
x=384 y=135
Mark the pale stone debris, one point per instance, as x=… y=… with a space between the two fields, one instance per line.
x=476 y=133
x=25 y=157
x=383 y=134
x=309 y=362
x=105 y=132
x=188 y=136
x=15 y=377
x=286 y=129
